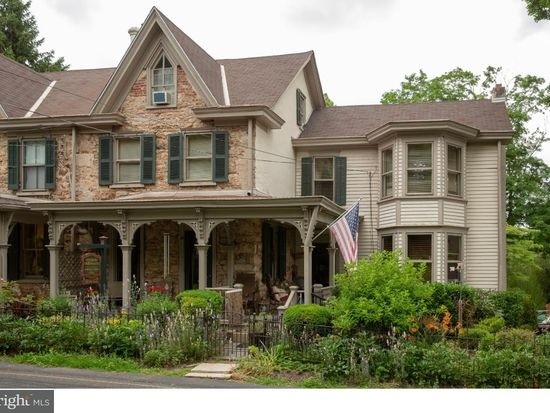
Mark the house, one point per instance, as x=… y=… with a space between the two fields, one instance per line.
x=178 y=171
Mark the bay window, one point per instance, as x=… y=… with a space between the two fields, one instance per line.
x=454 y=170
x=419 y=250
x=419 y=168
x=387 y=173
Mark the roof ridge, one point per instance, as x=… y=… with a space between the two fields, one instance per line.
x=265 y=56
x=407 y=103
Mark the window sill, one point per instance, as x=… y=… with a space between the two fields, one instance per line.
x=172 y=106
x=32 y=193
x=197 y=183
x=126 y=186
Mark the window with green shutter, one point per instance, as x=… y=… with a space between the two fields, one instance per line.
x=31 y=164
x=175 y=158
x=205 y=156
x=13 y=164
x=148 y=152
x=326 y=176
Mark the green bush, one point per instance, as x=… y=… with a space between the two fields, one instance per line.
x=515 y=306
x=60 y=305
x=156 y=305
x=308 y=320
x=515 y=339
x=379 y=293
x=505 y=369
x=200 y=300
x=157 y=358
x=118 y=336
x=492 y=324
x=472 y=338
x=342 y=357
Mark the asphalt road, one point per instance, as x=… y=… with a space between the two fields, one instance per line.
x=22 y=376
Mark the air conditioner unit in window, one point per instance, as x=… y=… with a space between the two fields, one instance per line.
x=161 y=97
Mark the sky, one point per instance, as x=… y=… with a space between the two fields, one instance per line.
x=363 y=48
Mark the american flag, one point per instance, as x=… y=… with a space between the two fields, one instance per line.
x=345 y=231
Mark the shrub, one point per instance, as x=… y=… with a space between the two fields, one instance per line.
x=504 y=369
x=118 y=336
x=60 y=305
x=515 y=339
x=343 y=357
x=156 y=305
x=307 y=319
x=492 y=324
x=380 y=292
x=472 y=338
x=157 y=358
x=200 y=300
x=515 y=306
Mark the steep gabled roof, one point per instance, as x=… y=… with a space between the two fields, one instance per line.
x=208 y=69
x=20 y=87
x=74 y=92
x=351 y=121
x=261 y=80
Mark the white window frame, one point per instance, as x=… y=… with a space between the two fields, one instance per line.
x=150 y=80
x=384 y=189
x=187 y=158
x=22 y=183
x=420 y=169
x=458 y=173
x=119 y=162
x=432 y=255
x=333 y=179
x=459 y=262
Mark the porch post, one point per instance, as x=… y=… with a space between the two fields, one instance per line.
x=54 y=269
x=230 y=265
x=4 y=262
x=202 y=250
x=126 y=276
x=331 y=260
x=308 y=277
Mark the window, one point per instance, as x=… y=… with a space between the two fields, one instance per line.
x=387 y=173
x=325 y=176
x=132 y=160
x=387 y=243
x=454 y=170
x=31 y=164
x=419 y=168
x=300 y=108
x=33 y=252
x=454 y=257
x=163 y=83
x=419 y=250
x=198 y=157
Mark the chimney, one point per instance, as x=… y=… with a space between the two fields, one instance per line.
x=132 y=31
x=498 y=94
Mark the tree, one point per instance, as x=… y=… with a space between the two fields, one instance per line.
x=538 y=9
x=19 y=38
x=528 y=177
x=328 y=101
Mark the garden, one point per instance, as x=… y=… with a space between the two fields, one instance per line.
x=384 y=327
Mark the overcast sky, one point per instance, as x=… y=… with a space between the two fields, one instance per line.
x=363 y=47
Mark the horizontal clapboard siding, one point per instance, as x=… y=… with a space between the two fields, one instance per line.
x=388 y=215
x=453 y=213
x=419 y=212
x=482 y=216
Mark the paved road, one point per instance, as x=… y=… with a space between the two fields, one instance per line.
x=21 y=376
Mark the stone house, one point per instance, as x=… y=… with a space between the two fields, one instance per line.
x=189 y=172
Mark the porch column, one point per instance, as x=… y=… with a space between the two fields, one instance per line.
x=54 y=269
x=308 y=277
x=230 y=265
x=202 y=250
x=4 y=261
x=126 y=276
x=331 y=264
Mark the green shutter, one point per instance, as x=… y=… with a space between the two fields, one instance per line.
x=340 y=174
x=148 y=151
x=175 y=158
x=13 y=164
x=299 y=114
x=105 y=160
x=221 y=161
x=50 y=164
x=307 y=176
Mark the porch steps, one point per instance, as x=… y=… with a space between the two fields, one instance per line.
x=212 y=371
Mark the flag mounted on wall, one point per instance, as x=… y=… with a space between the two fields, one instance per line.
x=345 y=230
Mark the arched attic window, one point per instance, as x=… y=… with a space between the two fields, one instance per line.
x=163 y=83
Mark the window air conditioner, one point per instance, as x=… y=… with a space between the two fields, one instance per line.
x=161 y=97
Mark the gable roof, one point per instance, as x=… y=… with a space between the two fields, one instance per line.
x=74 y=92
x=261 y=80
x=20 y=87
x=354 y=121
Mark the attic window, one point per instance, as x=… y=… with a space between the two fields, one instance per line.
x=163 y=83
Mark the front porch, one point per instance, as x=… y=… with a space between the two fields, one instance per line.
x=178 y=244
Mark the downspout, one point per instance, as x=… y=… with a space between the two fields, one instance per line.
x=73 y=164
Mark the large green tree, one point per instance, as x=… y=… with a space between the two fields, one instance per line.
x=19 y=38
x=538 y=9
x=527 y=96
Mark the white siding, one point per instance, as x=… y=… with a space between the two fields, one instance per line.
x=440 y=256
x=419 y=212
x=453 y=213
x=482 y=216
x=388 y=215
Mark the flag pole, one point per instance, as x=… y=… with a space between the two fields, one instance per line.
x=340 y=216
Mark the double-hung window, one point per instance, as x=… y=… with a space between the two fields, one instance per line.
x=387 y=243
x=454 y=257
x=31 y=164
x=163 y=82
x=198 y=157
x=419 y=250
x=127 y=159
x=325 y=176
x=419 y=168
x=454 y=170
x=387 y=173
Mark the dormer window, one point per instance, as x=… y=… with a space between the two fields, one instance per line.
x=163 y=83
